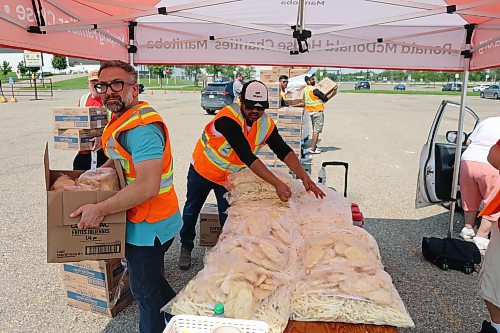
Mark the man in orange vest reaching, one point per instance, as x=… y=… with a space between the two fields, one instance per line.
x=314 y=101
x=83 y=159
x=138 y=138
x=227 y=145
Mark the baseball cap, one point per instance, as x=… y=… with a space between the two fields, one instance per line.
x=307 y=78
x=254 y=94
x=93 y=75
x=240 y=74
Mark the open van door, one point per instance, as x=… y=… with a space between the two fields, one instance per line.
x=435 y=175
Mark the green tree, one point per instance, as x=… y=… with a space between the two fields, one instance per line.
x=249 y=72
x=157 y=69
x=495 y=74
x=22 y=68
x=193 y=72
x=59 y=62
x=215 y=70
x=6 y=68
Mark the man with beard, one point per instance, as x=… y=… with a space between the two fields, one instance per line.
x=229 y=144
x=315 y=101
x=138 y=137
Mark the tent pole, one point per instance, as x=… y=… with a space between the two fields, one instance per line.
x=458 y=149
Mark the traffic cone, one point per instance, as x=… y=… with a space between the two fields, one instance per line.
x=13 y=100
x=3 y=99
x=164 y=92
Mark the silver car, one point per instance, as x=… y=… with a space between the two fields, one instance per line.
x=492 y=91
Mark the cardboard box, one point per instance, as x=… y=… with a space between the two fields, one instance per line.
x=274 y=102
x=290 y=130
x=290 y=115
x=210 y=228
x=103 y=274
x=67 y=243
x=75 y=139
x=327 y=87
x=273 y=114
x=108 y=302
x=273 y=90
x=299 y=71
x=294 y=97
x=83 y=118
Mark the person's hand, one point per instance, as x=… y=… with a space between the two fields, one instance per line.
x=97 y=143
x=309 y=185
x=283 y=191
x=91 y=216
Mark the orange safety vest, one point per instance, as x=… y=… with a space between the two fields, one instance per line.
x=165 y=204
x=213 y=157
x=312 y=102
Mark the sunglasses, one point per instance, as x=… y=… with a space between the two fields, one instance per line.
x=115 y=86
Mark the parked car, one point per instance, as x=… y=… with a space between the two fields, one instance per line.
x=480 y=87
x=362 y=85
x=399 y=86
x=435 y=176
x=492 y=91
x=141 y=88
x=452 y=87
x=214 y=97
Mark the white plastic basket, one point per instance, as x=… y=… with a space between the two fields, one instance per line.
x=201 y=324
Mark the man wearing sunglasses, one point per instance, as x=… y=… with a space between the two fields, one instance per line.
x=138 y=138
x=228 y=144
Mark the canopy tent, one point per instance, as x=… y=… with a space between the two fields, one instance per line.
x=386 y=34
x=451 y=35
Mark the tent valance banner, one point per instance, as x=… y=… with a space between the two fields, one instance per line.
x=385 y=34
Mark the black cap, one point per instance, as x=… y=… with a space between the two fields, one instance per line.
x=240 y=74
x=307 y=78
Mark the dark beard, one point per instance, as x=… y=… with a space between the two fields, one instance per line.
x=115 y=106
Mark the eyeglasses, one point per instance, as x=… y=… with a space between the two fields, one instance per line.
x=284 y=81
x=115 y=86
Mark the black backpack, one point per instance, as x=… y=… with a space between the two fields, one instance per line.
x=450 y=253
x=229 y=89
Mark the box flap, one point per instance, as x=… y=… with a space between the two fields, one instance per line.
x=119 y=172
x=46 y=166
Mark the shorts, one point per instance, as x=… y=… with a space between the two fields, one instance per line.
x=490 y=272
x=317 y=121
x=478 y=181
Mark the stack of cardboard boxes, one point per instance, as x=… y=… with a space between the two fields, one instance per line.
x=98 y=286
x=74 y=127
x=93 y=276
x=289 y=123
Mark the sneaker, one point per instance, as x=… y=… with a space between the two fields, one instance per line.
x=467 y=233
x=316 y=151
x=481 y=242
x=185 y=259
x=487 y=327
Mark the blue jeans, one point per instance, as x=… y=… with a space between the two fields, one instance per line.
x=147 y=283
x=198 y=189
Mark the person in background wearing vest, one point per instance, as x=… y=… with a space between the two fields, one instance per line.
x=138 y=138
x=237 y=86
x=83 y=159
x=489 y=277
x=227 y=145
x=314 y=105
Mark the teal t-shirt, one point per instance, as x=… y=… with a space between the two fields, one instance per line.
x=147 y=143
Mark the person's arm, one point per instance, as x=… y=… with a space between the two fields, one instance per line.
x=234 y=136
x=320 y=95
x=286 y=154
x=147 y=158
x=494 y=155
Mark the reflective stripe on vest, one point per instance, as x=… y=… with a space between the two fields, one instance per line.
x=312 y=102
x=83 y=100
x=214 y=150
x=165 y=203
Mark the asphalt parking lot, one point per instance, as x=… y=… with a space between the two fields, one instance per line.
x=379 y=135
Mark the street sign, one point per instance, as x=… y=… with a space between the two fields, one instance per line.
x=33 y=59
